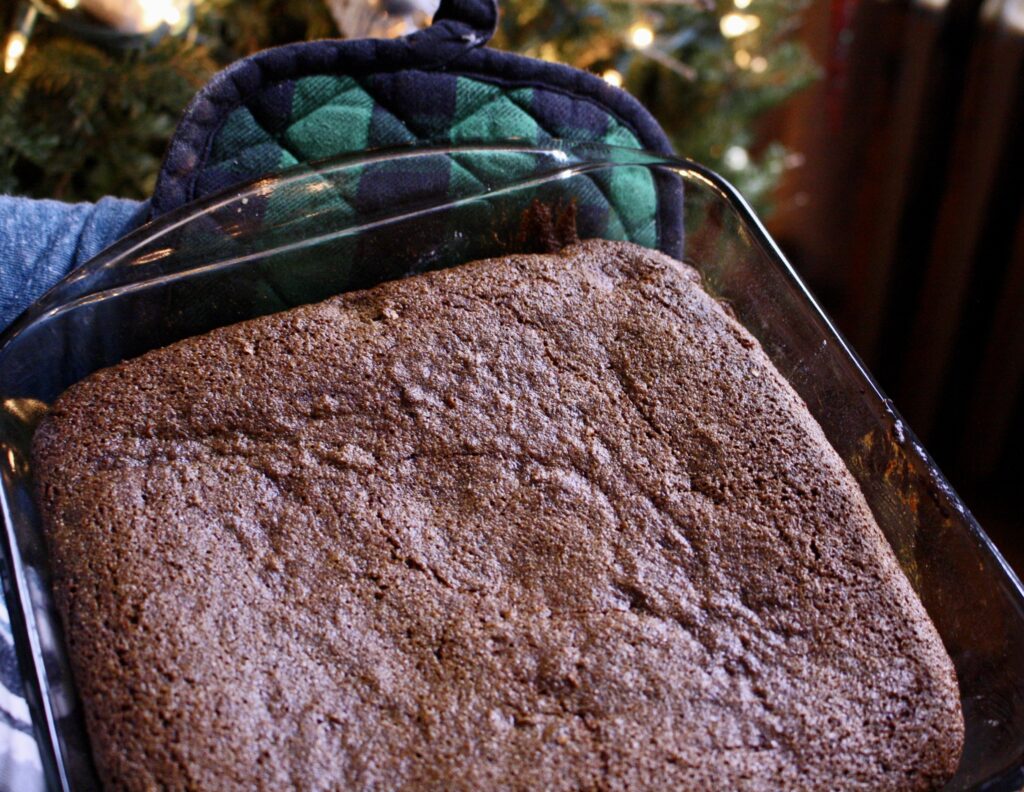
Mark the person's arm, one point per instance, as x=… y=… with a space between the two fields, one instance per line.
x=41 y=241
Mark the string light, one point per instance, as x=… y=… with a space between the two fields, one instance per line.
x=158 y=12
x=612 y=77
x=137 y=17
x=641 y=36
x=736 y=158
x=733 y=25
x=172 y=16
x=548 y=52
x=17 y=39
x=16 y=43
x=758 y=64
x=742 y=58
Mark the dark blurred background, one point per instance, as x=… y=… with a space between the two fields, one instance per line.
x=882 y=140
x=907 y=217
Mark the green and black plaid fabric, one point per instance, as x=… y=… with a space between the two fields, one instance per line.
x=305 y=103
x=319 y=117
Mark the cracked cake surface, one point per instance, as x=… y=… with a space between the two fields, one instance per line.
x=536 y=522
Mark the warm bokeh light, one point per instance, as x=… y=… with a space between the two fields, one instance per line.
x=733 y=24
x=642 y=37
x=758 y=65
x=159 y=12
x=16 y=43
x=741 y=4
x=612 y=77
x=736 y=158
x=742 y=59
x=548 y=52
x=68 y=4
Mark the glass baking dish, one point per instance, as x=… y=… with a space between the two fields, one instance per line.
x=317 y=231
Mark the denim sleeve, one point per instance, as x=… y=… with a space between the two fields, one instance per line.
x=41 y=241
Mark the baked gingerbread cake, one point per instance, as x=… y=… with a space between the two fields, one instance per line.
x=536 y=522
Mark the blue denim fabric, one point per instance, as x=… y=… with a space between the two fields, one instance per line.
x=41 y=241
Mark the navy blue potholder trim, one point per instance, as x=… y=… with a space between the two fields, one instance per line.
x=453 y=45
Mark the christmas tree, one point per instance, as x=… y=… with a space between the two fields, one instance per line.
x=706 y=71
x=82 y=116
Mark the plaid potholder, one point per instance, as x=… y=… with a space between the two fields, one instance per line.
x=311 y=101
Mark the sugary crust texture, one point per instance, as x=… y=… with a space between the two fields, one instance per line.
x=538 y=522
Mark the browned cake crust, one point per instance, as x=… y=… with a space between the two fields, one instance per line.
x=540 y=522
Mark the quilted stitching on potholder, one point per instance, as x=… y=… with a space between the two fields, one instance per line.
x=332 y=115
x=630 y=193
x=490 y=112
x=324 y=128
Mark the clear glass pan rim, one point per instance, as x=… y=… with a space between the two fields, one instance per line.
x=572 y=159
